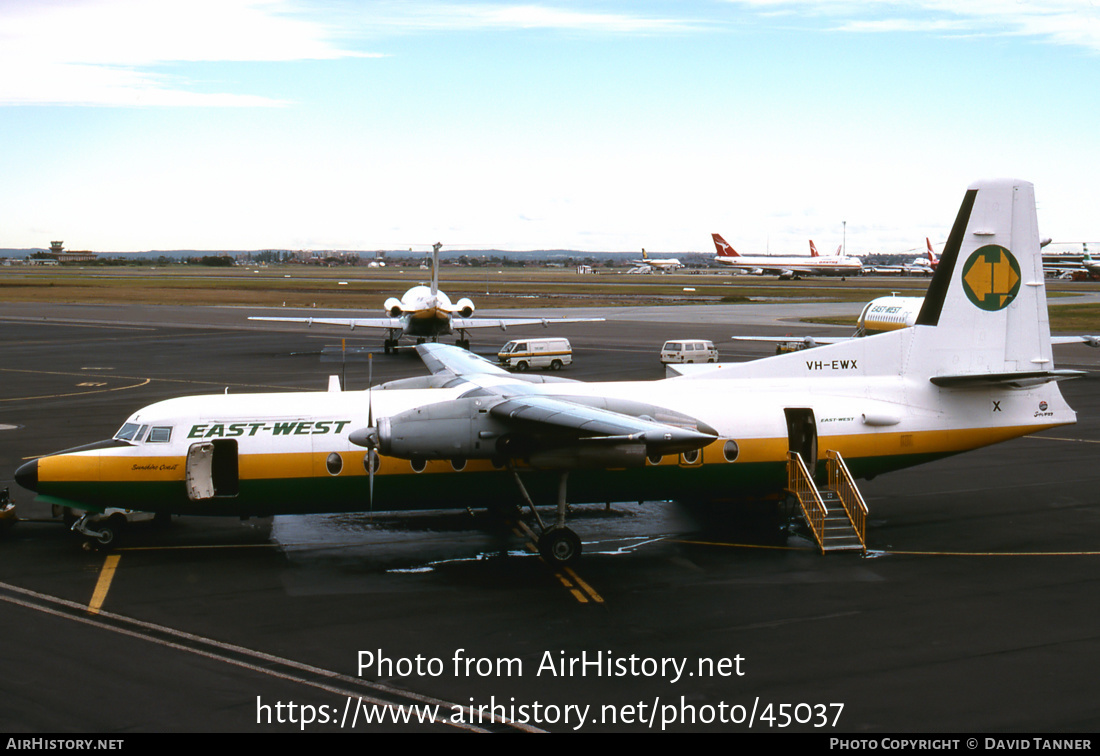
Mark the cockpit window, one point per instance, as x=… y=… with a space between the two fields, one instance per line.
x=160 y=435
x=128 y=432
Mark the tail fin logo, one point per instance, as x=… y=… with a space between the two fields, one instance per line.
x=991 y=278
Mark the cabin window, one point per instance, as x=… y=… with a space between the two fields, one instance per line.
x=334 y=463
x=160 y=435
x=367 y=462
x=730 y=451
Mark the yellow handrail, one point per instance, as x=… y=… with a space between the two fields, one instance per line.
x=802 y=486
x=841 y=481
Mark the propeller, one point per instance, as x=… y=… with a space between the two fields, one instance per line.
x=368 y=437
x=372 y=434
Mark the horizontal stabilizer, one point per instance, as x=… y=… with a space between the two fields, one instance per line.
x=1018 y=379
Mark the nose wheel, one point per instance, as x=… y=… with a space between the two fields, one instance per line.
x=101 y=534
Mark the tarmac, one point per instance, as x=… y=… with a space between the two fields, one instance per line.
x=974 y=611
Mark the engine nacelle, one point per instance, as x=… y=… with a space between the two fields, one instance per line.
x=460 y=428
x=464 y=307
x=393 y=307
x=466 y=428
x=589 y=455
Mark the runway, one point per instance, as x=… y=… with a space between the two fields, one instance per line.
x=974 y=612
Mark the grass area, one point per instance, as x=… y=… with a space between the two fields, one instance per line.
x=366 y=289
x=362 y=289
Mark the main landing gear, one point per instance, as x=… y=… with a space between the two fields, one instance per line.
x=558 y=545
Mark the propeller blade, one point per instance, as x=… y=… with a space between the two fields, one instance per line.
x=370 y=426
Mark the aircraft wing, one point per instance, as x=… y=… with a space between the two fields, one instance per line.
x=594 y=424
x=466 y=324
x=394 y=323
x=443 y=358
x=806 y=341
x=589 y=419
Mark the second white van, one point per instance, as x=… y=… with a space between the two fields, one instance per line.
x=688 y=350
x=522 y=354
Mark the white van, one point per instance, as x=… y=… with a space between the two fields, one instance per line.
x=688 y=350
x=521 y=354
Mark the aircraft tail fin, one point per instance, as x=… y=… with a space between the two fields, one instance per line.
x=723 y=247
x=985 y=310
x=813 y=249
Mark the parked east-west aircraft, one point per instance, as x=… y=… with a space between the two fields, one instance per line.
x=426 y=313
x=880 y=315
x=657 y=263
x=787 y=267
x=1071 y=264
x=972 y=371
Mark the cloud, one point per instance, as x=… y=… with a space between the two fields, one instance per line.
x=1065 y=22
x=104 y=52
x=505 y=17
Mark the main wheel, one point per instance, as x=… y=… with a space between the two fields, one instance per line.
x=560 y=547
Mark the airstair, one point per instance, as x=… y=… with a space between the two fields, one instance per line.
x=836 y=513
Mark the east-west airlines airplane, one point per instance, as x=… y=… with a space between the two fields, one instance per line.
x=880 y=315
x=976 y=369
x=425 y=313
x=787 y=267
x=658 y=263
x=1071 y=264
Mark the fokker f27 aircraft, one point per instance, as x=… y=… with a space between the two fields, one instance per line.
x=425 y=313
x=975 y=370
x=787 y=267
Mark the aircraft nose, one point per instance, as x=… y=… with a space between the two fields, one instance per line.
x=27 y=475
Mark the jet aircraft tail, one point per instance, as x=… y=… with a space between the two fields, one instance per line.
x=723 y=247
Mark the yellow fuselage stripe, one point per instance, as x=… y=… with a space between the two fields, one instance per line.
x=274 y=465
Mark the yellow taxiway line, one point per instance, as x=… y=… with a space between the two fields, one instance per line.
x=106 y=575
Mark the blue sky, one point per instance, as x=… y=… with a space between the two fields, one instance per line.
x=250 y=124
